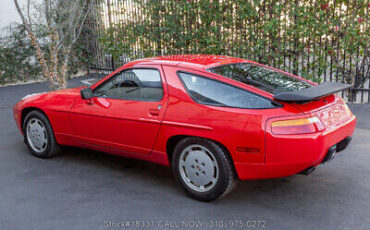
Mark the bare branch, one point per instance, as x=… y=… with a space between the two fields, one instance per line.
x=24 y=20
x=39 y=52
x=76 y=21
x=47 y=13
x=28 y=12
x=81 y=25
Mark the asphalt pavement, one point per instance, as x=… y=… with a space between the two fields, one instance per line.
x=82 y=189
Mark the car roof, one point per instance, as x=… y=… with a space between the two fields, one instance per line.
x=195 y=61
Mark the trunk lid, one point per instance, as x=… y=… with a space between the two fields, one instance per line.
x=320 y=101
x=331 y=110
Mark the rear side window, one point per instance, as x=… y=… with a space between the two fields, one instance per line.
x=261 y=77
x=212 y=92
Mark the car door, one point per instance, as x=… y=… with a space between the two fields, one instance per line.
x=125 y=112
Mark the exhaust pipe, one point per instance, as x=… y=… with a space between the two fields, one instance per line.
x=307 y=171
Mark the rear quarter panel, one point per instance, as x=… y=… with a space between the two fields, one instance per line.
x=232 y=127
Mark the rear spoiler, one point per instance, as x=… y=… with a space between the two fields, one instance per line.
x=312 y=93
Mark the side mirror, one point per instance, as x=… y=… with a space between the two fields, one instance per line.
x=86 y=93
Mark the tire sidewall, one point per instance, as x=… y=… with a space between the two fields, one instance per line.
x=224 y=173
x=49 y=133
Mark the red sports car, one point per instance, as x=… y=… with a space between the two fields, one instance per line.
x=214 y=119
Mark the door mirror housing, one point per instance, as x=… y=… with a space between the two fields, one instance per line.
x=86 y=93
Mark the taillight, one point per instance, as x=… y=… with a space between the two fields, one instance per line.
x=297 y=126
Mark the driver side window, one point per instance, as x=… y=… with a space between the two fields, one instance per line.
x=133 y=85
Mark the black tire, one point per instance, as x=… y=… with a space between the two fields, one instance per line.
x=227 y=179
x=52 y=148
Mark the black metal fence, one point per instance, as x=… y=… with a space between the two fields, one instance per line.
x=311 y=53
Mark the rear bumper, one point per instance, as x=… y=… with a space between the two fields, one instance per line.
x=333 y=150
x=288 y=155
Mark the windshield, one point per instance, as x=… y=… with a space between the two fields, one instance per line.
x=261 y=77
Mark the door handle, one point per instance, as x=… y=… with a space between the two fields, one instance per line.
x=89 y=101
x=154 y=112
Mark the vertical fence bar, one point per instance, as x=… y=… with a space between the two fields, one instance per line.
x=239 y=35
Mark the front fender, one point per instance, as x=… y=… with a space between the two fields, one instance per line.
x=55 y=105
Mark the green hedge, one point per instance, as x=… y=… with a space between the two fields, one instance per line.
x=17 y=62
x=309 y=38
x=17 y=56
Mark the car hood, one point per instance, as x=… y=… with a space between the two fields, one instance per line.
x=56 y=100
x=72 y=91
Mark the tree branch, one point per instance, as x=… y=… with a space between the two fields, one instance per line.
x=39 y=52
x=28 y=12
x=76 y=22
x=47 y=13
x=82 y=24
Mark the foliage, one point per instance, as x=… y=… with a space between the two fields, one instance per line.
x=57 y=25
x=319 y=40
x=17 y=62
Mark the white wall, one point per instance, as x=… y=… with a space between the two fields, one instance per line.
x=9 y=14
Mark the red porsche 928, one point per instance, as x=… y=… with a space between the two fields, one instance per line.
x=214 y=119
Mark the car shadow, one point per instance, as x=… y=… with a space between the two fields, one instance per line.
x=113 y=164
x=144 y=172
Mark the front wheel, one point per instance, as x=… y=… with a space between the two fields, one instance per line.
x=203 y=169
x=39 y=136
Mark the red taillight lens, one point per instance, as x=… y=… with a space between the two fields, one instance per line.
x=297 y=126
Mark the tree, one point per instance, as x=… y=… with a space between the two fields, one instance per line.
x=62 y=22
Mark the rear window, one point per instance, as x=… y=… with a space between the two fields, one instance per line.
x=260 y=77
x=211 y=92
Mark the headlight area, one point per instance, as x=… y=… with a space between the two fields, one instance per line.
x=297 y=126
x=17 y=117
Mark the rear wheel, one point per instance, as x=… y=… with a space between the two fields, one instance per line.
x=39 y=136
x=203 y=169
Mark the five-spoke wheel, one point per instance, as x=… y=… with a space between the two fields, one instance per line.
x=39 y=136
x=203 y=168
x=198 y=168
